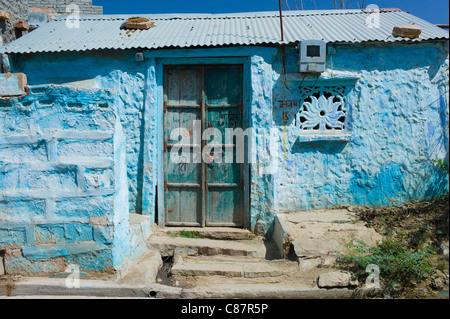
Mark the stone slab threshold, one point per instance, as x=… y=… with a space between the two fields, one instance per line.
x=320 y=232
x=228 y=266
x=193 y=246
x=47 y=288
x=217 y=233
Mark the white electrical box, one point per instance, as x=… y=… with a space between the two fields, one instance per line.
x=313 y=56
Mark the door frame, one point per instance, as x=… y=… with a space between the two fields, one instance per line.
x=246 y=114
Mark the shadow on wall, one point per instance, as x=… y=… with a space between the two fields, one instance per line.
x=66 y=67
x=324 y=147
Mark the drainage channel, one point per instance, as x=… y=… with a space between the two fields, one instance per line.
x=164 y=275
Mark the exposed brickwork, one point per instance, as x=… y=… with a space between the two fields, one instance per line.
x=59 y=6
x=17 y=10
x=13 y=11
x=63 y=188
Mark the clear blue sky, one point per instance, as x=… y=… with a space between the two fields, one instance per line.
x=435 y=11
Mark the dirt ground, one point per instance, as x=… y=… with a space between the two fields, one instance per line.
x=422 y=224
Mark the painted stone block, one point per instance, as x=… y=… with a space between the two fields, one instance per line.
x=22 y=210
x=12 y=236
x=79 y=149
x=63 y=233
x=64 y=178
x=84 y=207
x=25 y=152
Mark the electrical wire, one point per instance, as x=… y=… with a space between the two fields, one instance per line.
x=287 y=5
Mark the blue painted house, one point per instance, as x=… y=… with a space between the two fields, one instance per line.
x=121 y=123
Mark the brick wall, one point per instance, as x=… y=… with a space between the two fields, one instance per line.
x=86 y=7
x=18 y=10
x=63 y=187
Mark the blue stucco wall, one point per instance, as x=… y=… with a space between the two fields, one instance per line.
x=396 y=121
x=63 y=185
x=115 y=70
x=397 y=124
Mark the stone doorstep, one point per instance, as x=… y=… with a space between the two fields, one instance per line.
x=228 y=266
x=218 y=233
x=194 y=246
x=321 y=232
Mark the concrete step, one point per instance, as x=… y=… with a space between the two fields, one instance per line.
x=46 y=288
x=168 y=245
x=218 y=233
x=320 y=233
x=140 y=230
x=264 y=291
x=231 y=266
x=144 y=270
x=88 y=288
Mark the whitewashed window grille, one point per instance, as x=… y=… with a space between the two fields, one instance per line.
x=323 y=109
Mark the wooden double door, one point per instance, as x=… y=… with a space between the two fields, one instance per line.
x=202 y=187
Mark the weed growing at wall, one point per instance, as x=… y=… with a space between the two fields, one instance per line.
x=398 y=263
x=441 y=164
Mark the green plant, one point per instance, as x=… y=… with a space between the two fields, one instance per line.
x=397 y=263
x=441 y=164
x=187 y=234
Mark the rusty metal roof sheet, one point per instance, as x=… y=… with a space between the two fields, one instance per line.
x=210 y=30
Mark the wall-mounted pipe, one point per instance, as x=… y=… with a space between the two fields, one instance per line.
x=281 y=21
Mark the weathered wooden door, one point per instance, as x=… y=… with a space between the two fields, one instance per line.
x=202 y=188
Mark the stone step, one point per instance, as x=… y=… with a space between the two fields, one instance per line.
x=320 y=233
x=143 y=270
x=218 y=233
x=39 y=286
x=168 y=246
x=46 y=288
x=140 y=230
x=264 y=291
x=230 y=266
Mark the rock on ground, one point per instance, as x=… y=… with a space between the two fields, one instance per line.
x=337 y=279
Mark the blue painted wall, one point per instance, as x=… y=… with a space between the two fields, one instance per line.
x=63 y=184
x=117 y=71
x=396 y=121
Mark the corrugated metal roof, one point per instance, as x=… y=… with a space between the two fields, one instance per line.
x=206 y=30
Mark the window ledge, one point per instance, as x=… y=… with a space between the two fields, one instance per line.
x=328 y=75
x=315 y=137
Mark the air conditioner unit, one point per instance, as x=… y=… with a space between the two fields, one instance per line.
x=312 y=56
